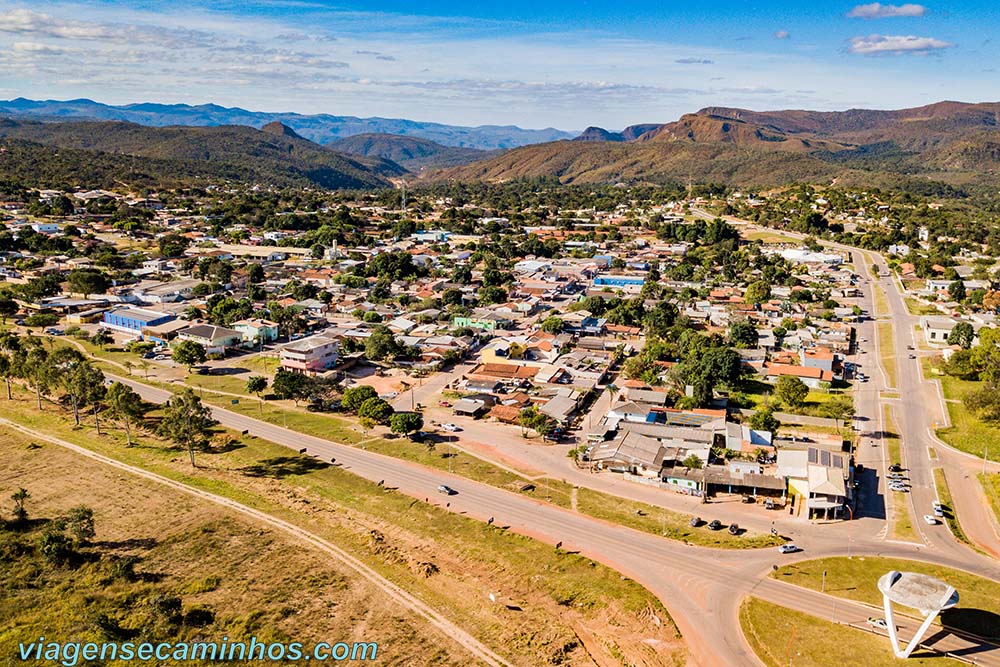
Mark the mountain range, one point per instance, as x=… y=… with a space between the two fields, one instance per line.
x=319 y=128
x=99 y=153
x=954 y=142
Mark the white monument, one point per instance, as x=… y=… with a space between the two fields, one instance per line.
x=929 y=595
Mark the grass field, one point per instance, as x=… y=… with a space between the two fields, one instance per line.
x=188 y=549
x=944 y=497
x=967 y=432
x=782 y=637
x=902 y=520
x=856 y=578
x=659 y=521
x=449 y=561
x=887 y=351
x=917 y=307
x=880 y=301
x=771 y=237
x=991 y=486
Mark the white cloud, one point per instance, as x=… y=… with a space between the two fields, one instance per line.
x=36 y=48
x=694 y=61
x=782 y=34
x=877 y=10
x=880 y=45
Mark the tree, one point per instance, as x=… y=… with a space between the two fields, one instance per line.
x=984 y=402
x=101 y=338
x=255 y=385
x=764 y=420
x=956 y=290
x=758 y=292
x=406 y=422
x=540 y=423
x=553 y=324
x=255 y=274
x=34 y=367
x=354 y=397
x=20 y=512
x=84 y=383
x=376 y=409
x=8 y=308
x=791 y=390
x=79 y=522
x=839 y=408
x=125 y=404
x=381 y=344
x=288 y=384
x=10 y=348
x=88 y=281
x=693 y=462
x=962 y=334
x=172 y=245
x=743 y=334
x=189 y=353
x=187 y=422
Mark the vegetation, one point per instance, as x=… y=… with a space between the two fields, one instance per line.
x=856 y=579
x=781 y=636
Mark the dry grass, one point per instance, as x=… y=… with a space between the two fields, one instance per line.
x=447 y=560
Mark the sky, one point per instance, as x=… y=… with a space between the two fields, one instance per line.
x=533 y=63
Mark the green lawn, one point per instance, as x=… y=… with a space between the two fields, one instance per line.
x=944 y=497
x=782 y=637
x=262 y=365
x=659 y=521
x=880 y=300
x=991 y=486
x=856 y=579
x=967 y=432
x=771 y=237
x=902 y=520
x=917 y=307
x=225 y=383
x=887 y=351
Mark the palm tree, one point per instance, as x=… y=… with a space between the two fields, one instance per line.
x=128 y=366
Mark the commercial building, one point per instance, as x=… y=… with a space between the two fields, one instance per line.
x=134 y=320
x=314 y=354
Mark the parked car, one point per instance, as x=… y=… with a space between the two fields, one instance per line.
x=938 y=510
x=160 y=357
x=695 y=521
x=715 y=525
x=878 y=623
x=895 y=467
x=734 y=529
x=930 y=520
x=788 y=549
x=447 y=490
x=451 y=428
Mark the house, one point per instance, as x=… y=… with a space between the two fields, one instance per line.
x=818 y=477
x=313 y=354
x=134 y=320
x=256 y=331
x=812 y=377
x=214 y=339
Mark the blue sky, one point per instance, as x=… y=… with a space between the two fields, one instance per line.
x=530 y=63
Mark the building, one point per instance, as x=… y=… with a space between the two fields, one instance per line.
x=256 y=331
x=134 y=320
x=313 y=354
x=619 y=281
x=213 y=338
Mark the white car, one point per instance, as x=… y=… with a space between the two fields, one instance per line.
x=788 y=549
x=930 y=519
x=451 y=428
x=878 y=623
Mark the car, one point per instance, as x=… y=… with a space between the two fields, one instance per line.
x=715 y=525
x=160 y=357
x=695 y=521
x=895 y=467
x=451 y=428
x=901 y=489
x=788 y=549
x=734 y=529
x=909 y=347
x=939 y=512
x=444 y=404
x=912 y=356
x=446 y=490
x=878 y=623
x=930 y=520
x=389 y=396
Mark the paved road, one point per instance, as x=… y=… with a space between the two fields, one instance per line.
x=700 y=587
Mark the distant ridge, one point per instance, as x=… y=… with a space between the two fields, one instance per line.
x=950 y=142
x=320 y=128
